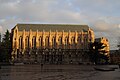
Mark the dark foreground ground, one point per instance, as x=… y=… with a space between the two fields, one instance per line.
x=57 y=72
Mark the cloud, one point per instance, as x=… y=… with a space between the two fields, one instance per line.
x=99 y=7
x=101 y=15
x=1 y=29
x=101 y=26
x=110 y=31
x=119 y=26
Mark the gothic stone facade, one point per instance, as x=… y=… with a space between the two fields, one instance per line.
x=51 y=43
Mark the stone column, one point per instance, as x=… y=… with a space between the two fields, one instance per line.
x=43 y=38
x=63 y=40
x=82 y=36
x=16 y=45
x=56 y=37
x=50 y=40
x=69 y=39
x=23 y=40
x=37 y=41
x=92 y=37
x=76 y=37
x=30 y=38
x=17 y=40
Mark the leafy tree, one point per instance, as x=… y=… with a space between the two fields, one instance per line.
x=97 y=55
x=5 y=48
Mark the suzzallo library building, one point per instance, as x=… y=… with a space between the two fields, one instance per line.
x=51 y=43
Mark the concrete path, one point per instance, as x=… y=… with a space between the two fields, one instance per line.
x=57 y=72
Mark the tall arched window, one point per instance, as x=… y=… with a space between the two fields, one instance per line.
x=85 y=42
x=66 y=43
x=40 y=42
x=20 y=42
x=53 y=42
x=73 y=42
x=27 y=42
x=85 y=38
x=79 y=41
x=60 y=42
x=34 y=42
x=47 y=42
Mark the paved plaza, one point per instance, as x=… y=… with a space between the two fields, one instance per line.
x=57 y=72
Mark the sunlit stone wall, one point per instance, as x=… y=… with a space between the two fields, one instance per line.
x=27 y=39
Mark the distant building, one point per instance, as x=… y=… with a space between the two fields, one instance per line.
x=115 y=56
x=105 y=43
x=51 y=43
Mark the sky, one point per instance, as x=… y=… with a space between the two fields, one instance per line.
x=103 y=16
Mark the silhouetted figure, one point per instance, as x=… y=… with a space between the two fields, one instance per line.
x=41 y=66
